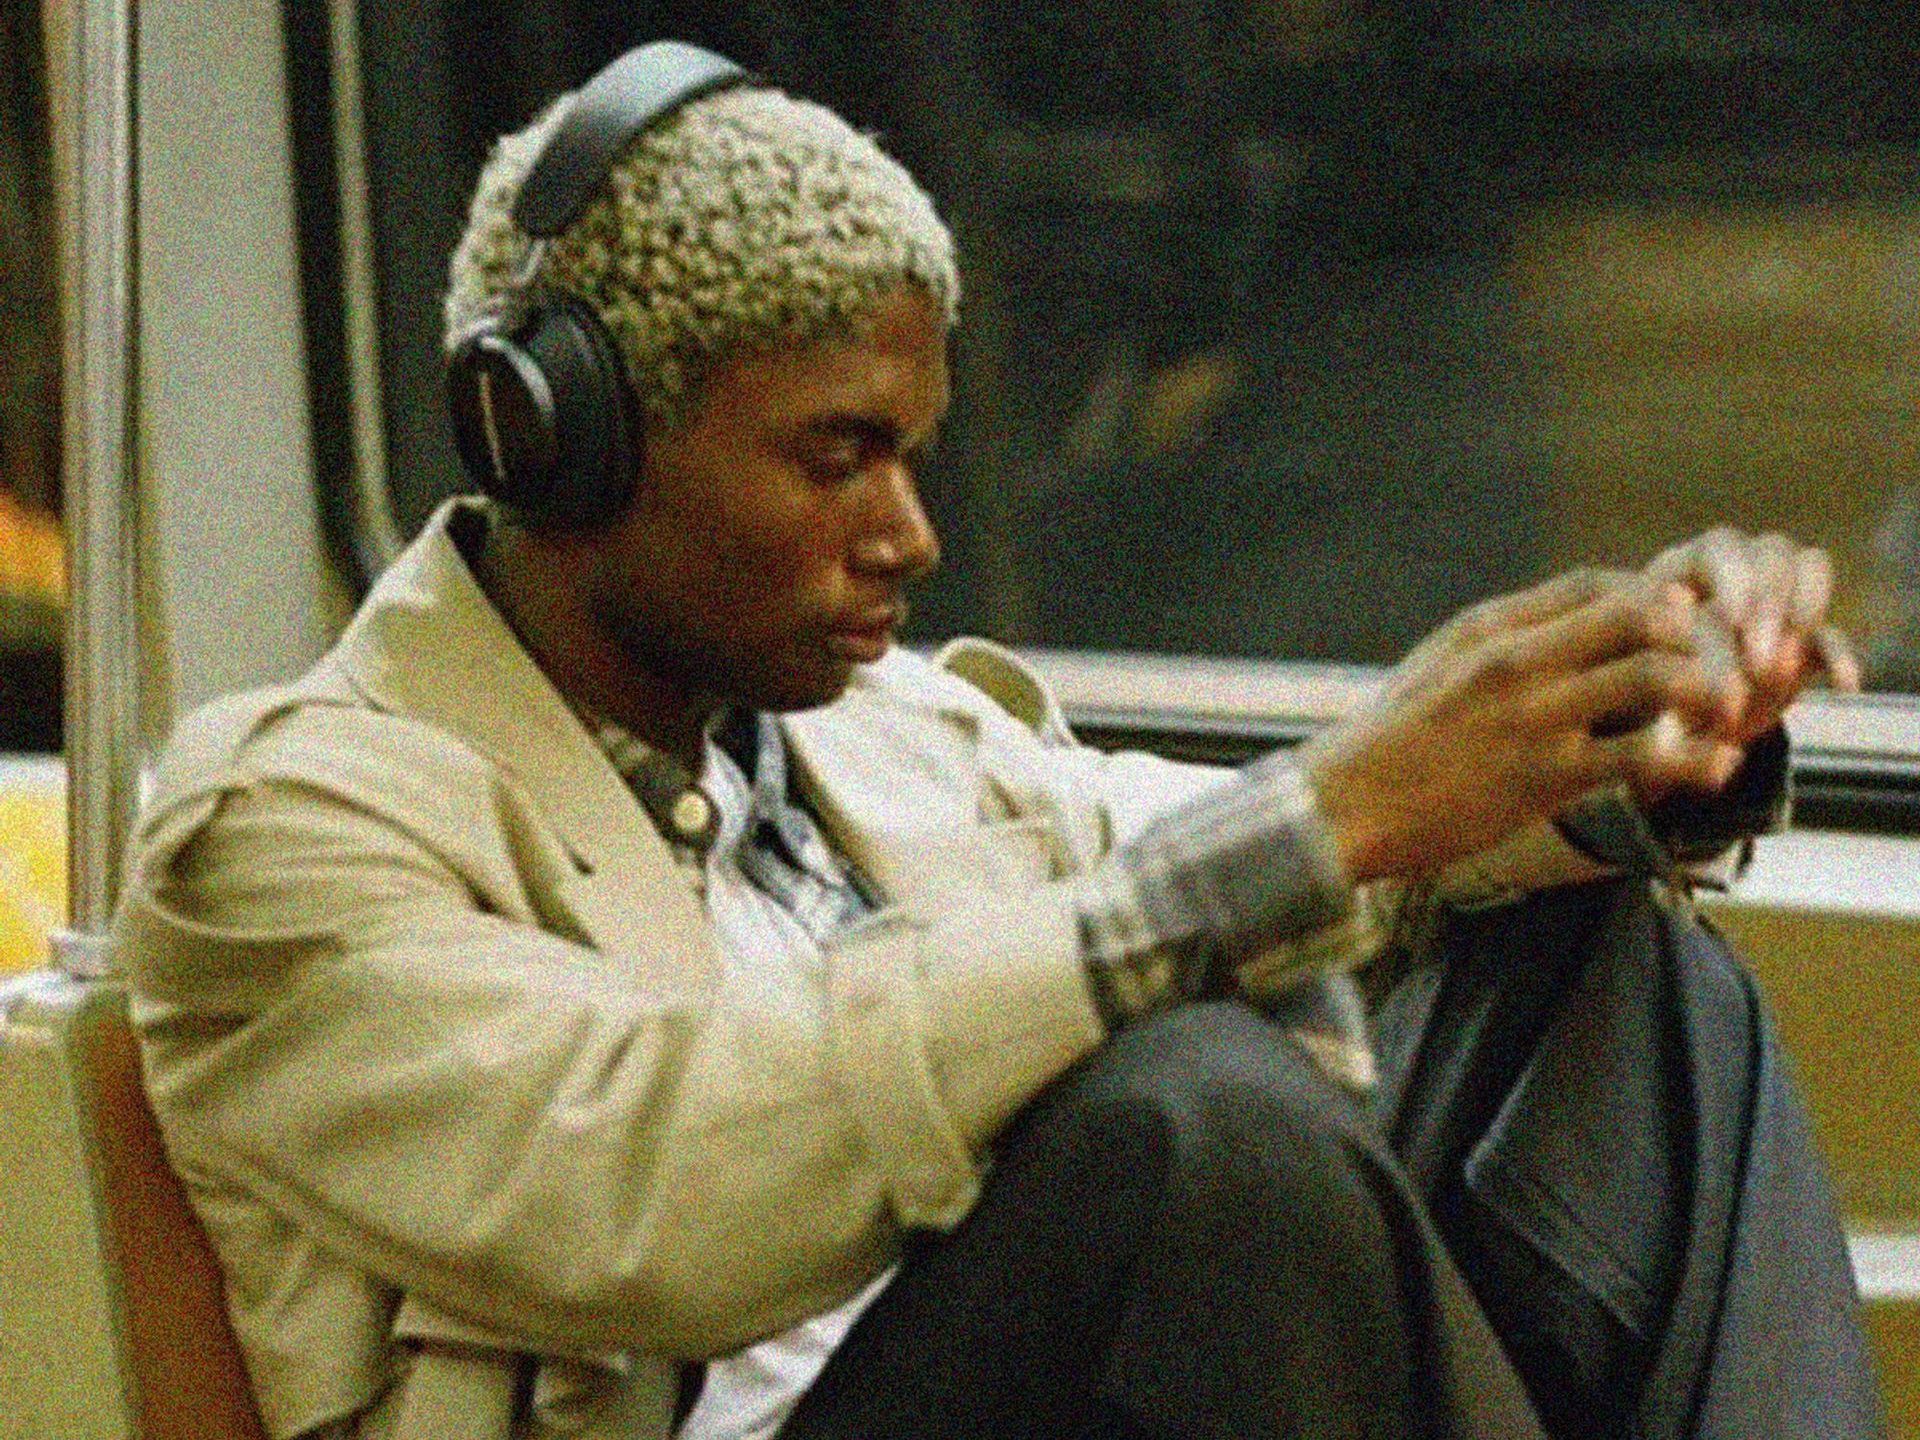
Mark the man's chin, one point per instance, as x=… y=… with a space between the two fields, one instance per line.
x=807 y=690
x=860 y=647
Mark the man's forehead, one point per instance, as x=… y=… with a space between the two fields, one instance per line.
x=896 y=360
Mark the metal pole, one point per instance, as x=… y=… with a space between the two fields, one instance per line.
x=101 y=415
x=372 y=508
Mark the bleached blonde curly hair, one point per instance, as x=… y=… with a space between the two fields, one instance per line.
x=746 y=220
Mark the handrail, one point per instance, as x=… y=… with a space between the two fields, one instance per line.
x=101 y=328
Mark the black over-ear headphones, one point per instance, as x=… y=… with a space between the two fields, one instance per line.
x=544 y=418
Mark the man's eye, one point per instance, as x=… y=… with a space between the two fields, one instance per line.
x=838 y=462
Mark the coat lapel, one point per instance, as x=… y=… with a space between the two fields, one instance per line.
x=893 y=768
x=883 y=782
x=894 y=771
x=427 y=608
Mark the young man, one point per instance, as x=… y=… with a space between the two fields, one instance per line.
x=616 y=955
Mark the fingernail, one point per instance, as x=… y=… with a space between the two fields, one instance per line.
x=1763 y=640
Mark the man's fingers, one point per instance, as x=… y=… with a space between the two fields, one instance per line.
x=1624 y=694
x=1771 y=592
x=1718 y=652
x=1541 y=603
x=1714 y=566
x=1837 y=658
x=1632 y=614
x=1812 y=589
x=1664 y=756
x=1773 y=589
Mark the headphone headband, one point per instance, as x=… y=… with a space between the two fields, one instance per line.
x=613 y=107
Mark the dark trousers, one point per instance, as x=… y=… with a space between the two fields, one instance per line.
x=1196 y=1233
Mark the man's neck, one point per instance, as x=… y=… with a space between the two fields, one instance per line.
x=556 y=625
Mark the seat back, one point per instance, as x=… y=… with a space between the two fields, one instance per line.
x=113 y=1324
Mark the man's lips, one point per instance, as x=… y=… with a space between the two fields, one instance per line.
x=864 y=638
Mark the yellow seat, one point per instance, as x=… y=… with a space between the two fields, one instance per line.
x=112 y=1321
x=33 y=858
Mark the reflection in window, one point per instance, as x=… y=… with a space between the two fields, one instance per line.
x=1295 y=324
x=1756 y=362
x=32 y=561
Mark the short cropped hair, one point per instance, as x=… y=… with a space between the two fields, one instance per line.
x=747 y=220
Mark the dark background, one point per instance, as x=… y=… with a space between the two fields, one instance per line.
x=1247 y=362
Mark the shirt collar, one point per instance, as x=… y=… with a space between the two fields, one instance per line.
x=667 y=790
x=681 y=807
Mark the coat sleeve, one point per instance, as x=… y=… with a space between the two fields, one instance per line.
x=341 y=1019
x=1130 y=789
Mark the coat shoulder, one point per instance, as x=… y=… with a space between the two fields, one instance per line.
x=971 y=679
x=316 y=735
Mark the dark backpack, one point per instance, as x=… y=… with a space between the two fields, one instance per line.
x=1588 y=1090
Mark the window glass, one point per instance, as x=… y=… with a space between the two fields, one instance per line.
x=32 y=560
x=1292 y=325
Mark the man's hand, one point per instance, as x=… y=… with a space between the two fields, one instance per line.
x=1765 y=599
x=1519 y=706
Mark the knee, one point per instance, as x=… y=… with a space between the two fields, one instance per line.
x=1225 y=1064
x=1218 y=1107
x=1208 y=1150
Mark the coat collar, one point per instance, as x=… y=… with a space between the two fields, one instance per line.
x=892 y=769
x=428 y=643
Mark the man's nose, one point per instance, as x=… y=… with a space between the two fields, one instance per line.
x=900 y=539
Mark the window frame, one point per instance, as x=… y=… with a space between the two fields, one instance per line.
x=1856 y=758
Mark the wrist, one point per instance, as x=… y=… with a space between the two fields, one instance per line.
x=1246 y=865
x=1170 y=916
x=1346 y=821
x=1130 y=967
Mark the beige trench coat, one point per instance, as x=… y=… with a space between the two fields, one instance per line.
x=458 y=1080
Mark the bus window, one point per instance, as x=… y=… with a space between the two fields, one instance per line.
x=32 y=561
x=1294 y=326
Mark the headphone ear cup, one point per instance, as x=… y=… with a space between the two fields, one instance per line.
x=544 y=419
x=595 y=419
x=502 y=414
